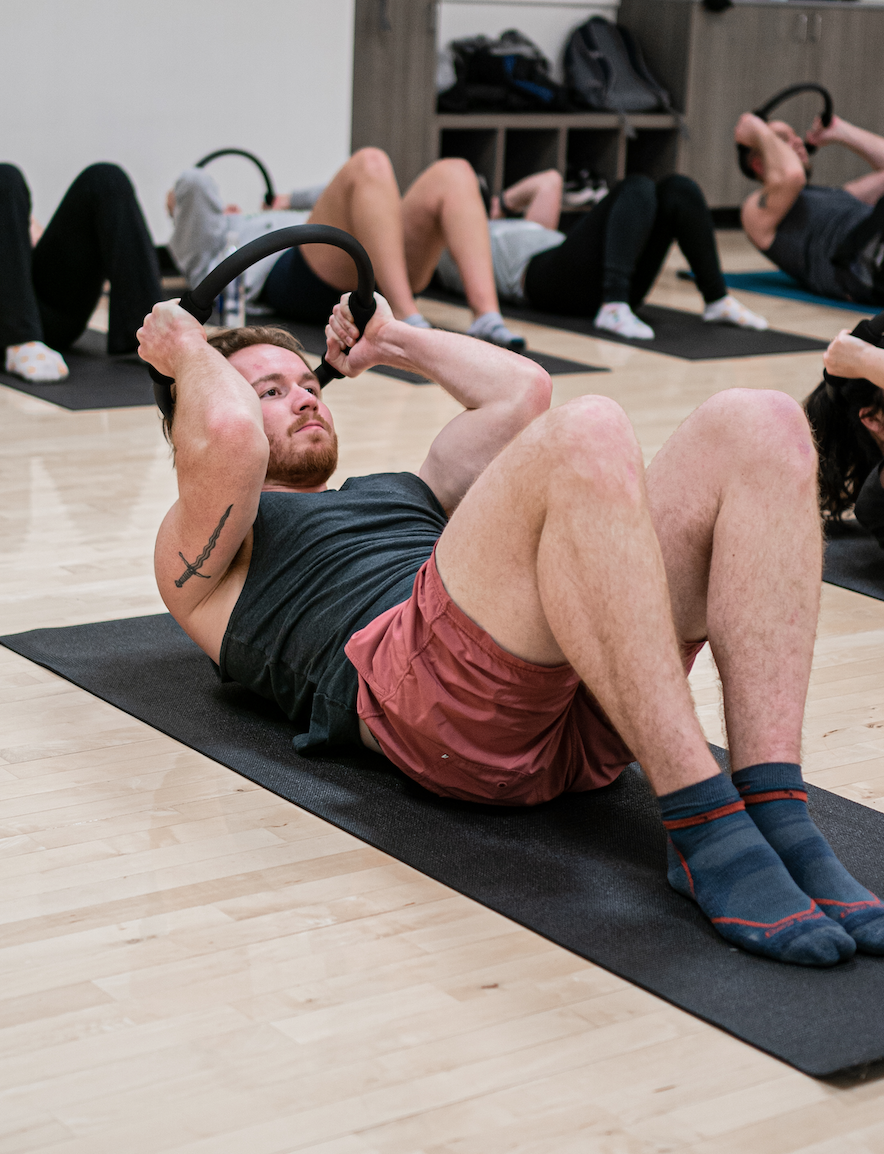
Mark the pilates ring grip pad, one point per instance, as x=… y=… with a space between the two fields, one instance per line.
x=269 y=195
x=199 y=302
x=766 y=109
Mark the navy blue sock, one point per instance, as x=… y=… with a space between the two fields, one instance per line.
x=776 y=800
x=718 y=857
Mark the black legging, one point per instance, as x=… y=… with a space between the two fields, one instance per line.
x=98 y=233
x=616 y=251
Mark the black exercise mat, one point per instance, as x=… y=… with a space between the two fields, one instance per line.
x=586 y=871
x=312 y=337
x=854 y=560
x=96 y=380
x=676 y=333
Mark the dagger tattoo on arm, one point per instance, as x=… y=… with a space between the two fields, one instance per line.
x=191 y=570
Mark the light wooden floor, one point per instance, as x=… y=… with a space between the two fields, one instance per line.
x=190 y=964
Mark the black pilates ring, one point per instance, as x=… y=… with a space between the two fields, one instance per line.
x=200 y=301
x=269 y=195
x=766 y=109
x=870 y=330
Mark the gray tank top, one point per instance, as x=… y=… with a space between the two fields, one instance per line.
x=809 y=236
x=323 y=566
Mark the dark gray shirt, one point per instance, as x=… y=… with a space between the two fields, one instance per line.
x=323 y=566
x=810 y=234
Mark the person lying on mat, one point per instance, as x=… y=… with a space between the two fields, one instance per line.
x=828 y=239
x=402 y=235
x=516 y=620
x=849 y=431
x=51 y=283
x=606 y=265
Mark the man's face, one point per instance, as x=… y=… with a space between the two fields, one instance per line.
x=300 y=429
x=789 y=136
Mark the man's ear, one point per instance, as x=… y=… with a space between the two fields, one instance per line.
x=874 y=422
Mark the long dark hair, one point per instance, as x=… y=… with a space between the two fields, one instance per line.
x=847 y=450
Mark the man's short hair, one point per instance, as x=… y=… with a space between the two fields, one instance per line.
x=230 y=341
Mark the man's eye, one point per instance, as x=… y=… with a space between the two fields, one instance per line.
x=272 y=393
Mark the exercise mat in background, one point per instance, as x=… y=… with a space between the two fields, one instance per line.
x=854 y=560
x=96 y=380
x=586 y=871
x=676 y=333
x=312 y=337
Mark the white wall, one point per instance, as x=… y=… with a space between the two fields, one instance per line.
x=547 y=22
x=156 y=85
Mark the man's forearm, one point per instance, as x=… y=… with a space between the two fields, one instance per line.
x=781 y=166
x=210 y=397
x=866 y=144
x=474 y=372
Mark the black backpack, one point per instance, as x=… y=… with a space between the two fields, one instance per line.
x=510 y=74
x=606 y=72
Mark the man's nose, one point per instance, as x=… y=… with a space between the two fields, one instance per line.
x=303 y=400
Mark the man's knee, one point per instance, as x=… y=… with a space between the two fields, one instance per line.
x=764 y=428
x=588 y=442
x=454 y=173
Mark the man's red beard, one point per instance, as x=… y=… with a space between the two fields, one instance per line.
x=307 y=464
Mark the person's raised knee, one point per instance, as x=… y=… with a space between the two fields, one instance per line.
x=764 y=425
x=12 y=182
x=105 y=178
x=371 y=164
x=681 y=189
x=590 y=440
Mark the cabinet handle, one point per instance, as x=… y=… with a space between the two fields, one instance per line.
x=816 y=28
x=384 y=16
x=801 y=28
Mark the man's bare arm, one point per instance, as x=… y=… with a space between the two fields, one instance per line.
x=868 y=145
x=221 y=459
x=501 y=392
x=784 y=178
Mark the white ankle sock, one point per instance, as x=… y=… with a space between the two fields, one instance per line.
x=727 y=310
x=490 y=327
x=617 y=317
x=34 y=361
x=417 y=321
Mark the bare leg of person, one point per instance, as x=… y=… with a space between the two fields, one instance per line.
x=443 y=209
x=561 y=522
x=759 y=589
x=363 y=199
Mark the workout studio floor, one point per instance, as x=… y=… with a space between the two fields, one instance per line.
x=366 y=1010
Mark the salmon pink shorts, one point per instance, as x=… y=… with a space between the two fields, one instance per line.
x=466 y=719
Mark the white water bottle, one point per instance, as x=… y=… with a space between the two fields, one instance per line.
x=233 y=298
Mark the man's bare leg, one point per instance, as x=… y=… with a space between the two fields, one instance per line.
x=761 y=597
x=740 y=473
x=363 y=199
x=561 y=522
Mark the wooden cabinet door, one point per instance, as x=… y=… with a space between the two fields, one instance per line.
x=851 y=41
x=738 y=59
x=394 y=81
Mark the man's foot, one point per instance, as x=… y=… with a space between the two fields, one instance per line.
x=718 y=857
x=34 y=361
x=490 y=327
x=776 y=800
x=728 y=311
x=417 y=321
x=617 y=317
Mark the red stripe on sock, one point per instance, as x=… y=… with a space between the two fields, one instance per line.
x=811 y=914
x=702 y=818
x=775 y=795
x=850 y=906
